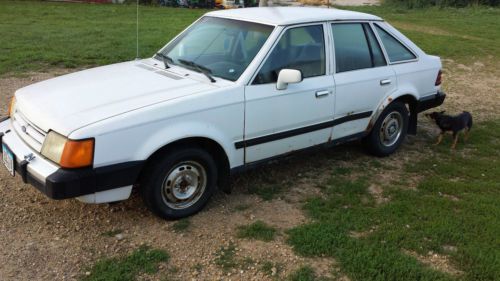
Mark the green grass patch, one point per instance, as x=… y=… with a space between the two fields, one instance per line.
x=127 y=268
x=181 y=225
x=226 y=258
x=267 y=192
x=271 y=269
x=455 y=204
x=465 y=34
x=258 y=231
x=304 y=273
x=242 y=207
x=40 y=34
x=82 y=35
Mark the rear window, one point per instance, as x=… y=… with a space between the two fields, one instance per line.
x=395 y=50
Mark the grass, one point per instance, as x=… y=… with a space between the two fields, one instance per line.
x=82 y=35
x=242 y=207
x=127 y=268
x=38 y=34
x=465 y=35
x=258 y=231
x=422 y=220
x=181 y=225
x=267 y=192
x=305 y=273
x=271 y=269
x=225 y=258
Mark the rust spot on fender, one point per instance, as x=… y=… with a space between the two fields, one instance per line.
x=370 y=126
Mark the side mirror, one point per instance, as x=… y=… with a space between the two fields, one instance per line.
x=287 y=76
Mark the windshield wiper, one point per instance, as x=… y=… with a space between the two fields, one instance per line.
x=166 y=60
x=200 y=68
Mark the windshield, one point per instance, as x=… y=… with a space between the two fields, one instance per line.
x=224 y=47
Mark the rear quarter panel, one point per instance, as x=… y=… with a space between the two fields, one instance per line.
x=417 y=77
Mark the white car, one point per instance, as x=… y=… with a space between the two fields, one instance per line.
x=235 y=89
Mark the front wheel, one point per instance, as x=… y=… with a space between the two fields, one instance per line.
x=389 y=131
x=179 y=183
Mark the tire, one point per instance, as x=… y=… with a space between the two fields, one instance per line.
x=389 y=130
x=179 y=182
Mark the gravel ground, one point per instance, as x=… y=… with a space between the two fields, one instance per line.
x=42 y=239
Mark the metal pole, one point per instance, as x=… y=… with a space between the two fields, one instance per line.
x=137 y=30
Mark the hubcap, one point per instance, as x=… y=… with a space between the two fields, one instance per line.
x=391 y=128
x=184 y=185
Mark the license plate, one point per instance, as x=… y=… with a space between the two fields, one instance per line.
x=8 y=159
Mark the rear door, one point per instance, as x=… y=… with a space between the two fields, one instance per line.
x=362 y=76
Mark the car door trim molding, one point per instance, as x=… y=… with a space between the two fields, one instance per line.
x=302 y=130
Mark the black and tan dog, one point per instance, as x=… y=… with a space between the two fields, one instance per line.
x=455 y=124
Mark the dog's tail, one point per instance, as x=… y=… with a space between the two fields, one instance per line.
x=469 y=119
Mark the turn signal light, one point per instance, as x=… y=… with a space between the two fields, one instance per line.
x=10 y=110
x=77 y=154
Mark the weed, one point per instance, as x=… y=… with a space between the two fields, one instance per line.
x=267 y=192
x=142 y=260
x=258 y=231
x=225 y=258
x=181 y=225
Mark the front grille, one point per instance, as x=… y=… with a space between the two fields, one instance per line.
x=28 y=131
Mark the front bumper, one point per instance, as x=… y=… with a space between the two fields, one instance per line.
x=58 y=183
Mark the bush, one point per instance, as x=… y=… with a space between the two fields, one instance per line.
x=442 y=3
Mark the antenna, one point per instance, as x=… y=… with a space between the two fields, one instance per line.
x=137 y=31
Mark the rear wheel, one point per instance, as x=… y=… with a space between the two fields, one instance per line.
x=389 y=131
x=179 y=182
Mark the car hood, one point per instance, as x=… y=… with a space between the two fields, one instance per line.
x=72 y=101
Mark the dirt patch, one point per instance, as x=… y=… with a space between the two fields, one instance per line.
x=437 y=262
x=429 y=30
x=474 y=88
x=378 y=194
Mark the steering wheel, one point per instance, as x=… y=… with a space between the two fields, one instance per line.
x=226 y=69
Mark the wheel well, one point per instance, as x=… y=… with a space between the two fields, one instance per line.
x=411 y=102
x=209 y=145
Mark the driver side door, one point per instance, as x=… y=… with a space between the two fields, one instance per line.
x=300 y=116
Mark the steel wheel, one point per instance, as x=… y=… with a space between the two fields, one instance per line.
x=391 y=129
x=184 y=185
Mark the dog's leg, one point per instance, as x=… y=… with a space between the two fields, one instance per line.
x=455 y=140
x=466 y=134
x=440 y=138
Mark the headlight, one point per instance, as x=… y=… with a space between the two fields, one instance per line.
x=68 y=153
x=12 y=107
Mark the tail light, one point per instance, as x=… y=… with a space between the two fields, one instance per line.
x=439 y=78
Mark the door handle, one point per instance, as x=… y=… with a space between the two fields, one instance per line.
x=320 y=94
x=385 y=82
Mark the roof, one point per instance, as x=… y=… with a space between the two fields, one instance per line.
x=291 y=15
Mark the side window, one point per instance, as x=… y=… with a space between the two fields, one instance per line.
x=377 y=55
x=395 y=50
x=301 y=48
x=355 y=47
